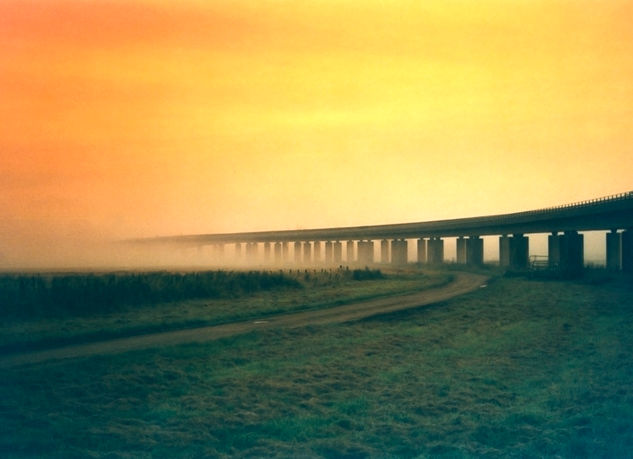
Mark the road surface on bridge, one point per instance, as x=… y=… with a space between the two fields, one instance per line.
x=462 y=283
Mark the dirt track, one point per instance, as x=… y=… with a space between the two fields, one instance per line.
x=463 y=283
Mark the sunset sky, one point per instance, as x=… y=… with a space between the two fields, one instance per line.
x=141 y=118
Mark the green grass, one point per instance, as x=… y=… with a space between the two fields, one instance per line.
x=317 y=289
x=520 y=368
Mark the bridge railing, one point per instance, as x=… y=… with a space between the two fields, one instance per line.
x=611 y=198
x=502 y=224
x=539 y=262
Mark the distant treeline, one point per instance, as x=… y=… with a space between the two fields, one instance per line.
x=42 y=295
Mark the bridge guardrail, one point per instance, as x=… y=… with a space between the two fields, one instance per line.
x=503 y=224
x=600 y=200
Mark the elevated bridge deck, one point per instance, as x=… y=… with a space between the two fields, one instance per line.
x=614 y=213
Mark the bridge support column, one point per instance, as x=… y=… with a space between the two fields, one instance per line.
x=266 y=252
x=436 y=250
x=297 y=252
x=278 y=253
x=399 y=249
x=317 y=252
x=328 y=252
x=460 y=250
x=218 y=252
x=251 y=252
x=365 y=252
x=307 y=253
x=504 y=251
x=238 y=251
x=627 y=250
x=475 y=251
x=614 y=251
x=553 y=250
x=421 y=250
x=285 y=252
x=350 y=252
x=337 y=252
x=384 y=251
x=519 y=251
x=571 y=252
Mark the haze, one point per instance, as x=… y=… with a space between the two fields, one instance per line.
x=145 y=118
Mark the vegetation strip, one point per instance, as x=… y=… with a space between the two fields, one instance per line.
x=464 y=282
x=318 y=289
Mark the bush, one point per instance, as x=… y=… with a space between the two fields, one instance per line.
x=366 y=274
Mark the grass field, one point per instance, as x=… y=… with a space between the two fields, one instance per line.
x=521 y=368
x=287 y=291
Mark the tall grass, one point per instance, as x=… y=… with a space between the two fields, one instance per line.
x=83 y=294
x=318 y=289
x=60 y=295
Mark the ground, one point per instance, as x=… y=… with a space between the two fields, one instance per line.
x=520 y=368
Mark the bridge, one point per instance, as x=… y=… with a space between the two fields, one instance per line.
x=325 y=245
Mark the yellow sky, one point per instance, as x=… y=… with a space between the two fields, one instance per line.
x=143 y=118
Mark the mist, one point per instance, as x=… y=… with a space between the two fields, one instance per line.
x=99 y=253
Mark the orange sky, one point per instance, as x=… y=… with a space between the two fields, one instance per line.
x=142 y=118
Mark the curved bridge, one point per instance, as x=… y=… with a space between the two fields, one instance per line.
x=565 y=251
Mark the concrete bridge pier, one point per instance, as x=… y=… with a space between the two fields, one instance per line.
x=218 y=252
x=337 y=252
x=365 y=252
x=278 y=253
x=519 y=251
x=317 y=252
x=571 y=252
x=460 y=250
x=307 y=252
x=627 y=250
x=266 y=252
x=399 y=249
x=421 y=250
x=350 y=252
x=251 y=251
x=285 y=252
x=297 y=252
x=435 y=250
x=614 y=250
x=553 y=250
x=475 y=251
x=504 y=251
x=384 y=251
x=328 y=253
x=238 y=251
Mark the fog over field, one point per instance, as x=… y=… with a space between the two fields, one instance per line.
x=69 y=254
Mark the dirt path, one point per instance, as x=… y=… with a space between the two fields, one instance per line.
x=463 y=283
